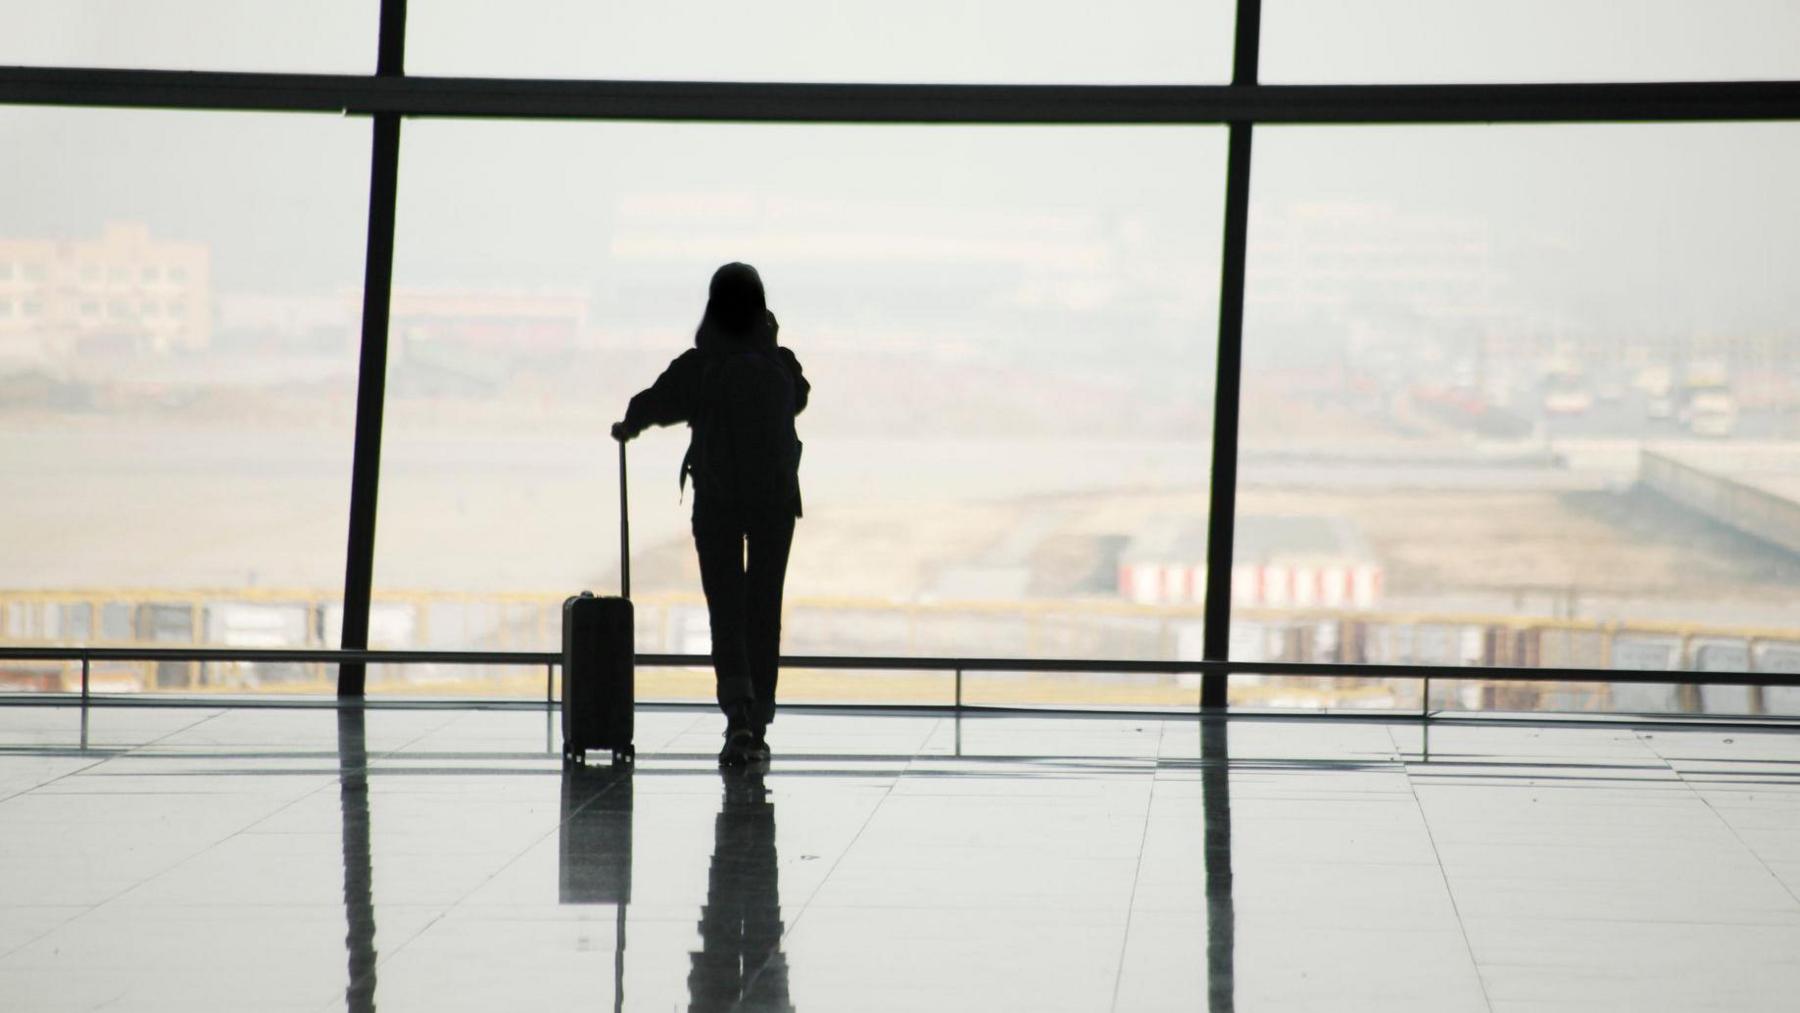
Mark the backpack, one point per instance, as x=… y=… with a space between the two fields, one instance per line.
x=745 y=451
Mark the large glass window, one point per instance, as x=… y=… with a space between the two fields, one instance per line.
x=1523 y=396
x=1513 y=396
x=318 y=36
x=177 y=388
x=996 y=41
x=1473 y=41
x=1009 y=333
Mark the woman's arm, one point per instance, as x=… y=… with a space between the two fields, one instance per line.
x=667 y=401
x=801 y=387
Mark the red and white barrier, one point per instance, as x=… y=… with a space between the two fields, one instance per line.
x=1335 y=585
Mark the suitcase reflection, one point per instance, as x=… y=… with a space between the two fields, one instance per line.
x=594 y=852
x=740 y=964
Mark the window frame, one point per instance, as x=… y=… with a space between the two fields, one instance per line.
x=389 y=96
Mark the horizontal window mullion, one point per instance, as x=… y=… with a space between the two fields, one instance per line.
x=158 y=89
x=902 y=103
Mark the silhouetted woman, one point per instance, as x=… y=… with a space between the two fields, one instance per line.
x=738 y=391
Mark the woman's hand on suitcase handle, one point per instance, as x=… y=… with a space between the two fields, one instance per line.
x=621 y=433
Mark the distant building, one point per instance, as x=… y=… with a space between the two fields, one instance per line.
x=1338 y=262
x=333 y=319
x=122 y=293
x=489 y=320
x=515 y=320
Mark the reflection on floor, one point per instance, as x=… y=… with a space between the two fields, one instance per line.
x=179 y=858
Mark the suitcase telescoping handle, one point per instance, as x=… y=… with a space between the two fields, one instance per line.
x=624 y=530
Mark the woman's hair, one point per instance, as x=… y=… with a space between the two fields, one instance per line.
x=735 y=307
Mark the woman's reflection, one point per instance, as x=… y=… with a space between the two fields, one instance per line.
x=359 y=904
x=740 y=965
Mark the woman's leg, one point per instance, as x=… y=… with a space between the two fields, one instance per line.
x=768 y=540
x=720 y=544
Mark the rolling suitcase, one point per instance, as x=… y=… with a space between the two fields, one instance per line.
x=598 y=690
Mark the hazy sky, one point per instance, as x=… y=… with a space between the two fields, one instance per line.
x=940 y=243
x=1663 y=223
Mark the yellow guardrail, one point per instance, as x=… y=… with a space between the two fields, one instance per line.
x=1694 y=631
x=1021 y=609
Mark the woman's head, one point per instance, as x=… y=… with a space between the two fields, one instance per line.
x=735 y=306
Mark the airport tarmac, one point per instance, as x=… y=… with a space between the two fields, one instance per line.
x=172 y=507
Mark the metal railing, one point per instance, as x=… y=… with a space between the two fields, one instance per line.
x=958 y=666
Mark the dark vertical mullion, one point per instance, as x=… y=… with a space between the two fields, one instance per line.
x=371 y=374
x=390 y=43
x=1227 y=377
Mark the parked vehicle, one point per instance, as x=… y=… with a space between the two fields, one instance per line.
x=1708 y=407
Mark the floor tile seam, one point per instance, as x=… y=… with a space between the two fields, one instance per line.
x=793 y=923
x=1532 y=764
x=687 y=729
x=446 y=910
x=1137 y=876
x=1729 y=828
x=89 y=908
x=1651 y=791
x=164 y=871
x=1588 y=972
x=1721 y=780
x=1023 y=904
x=54 y=779
x=386 y=957
x=1449 y=891
x=113 y=755
x=83 y=910
x=330 y=780
x=395 y=753
x=807 y=904
x=1638 y=922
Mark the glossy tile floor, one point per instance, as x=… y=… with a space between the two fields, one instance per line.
x=257 y=859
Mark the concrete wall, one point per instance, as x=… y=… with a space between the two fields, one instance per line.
x=1756 y=512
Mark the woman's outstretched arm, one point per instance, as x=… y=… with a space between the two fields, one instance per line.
x=668 y=401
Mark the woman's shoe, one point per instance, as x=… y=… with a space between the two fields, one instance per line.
x=740 y=742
